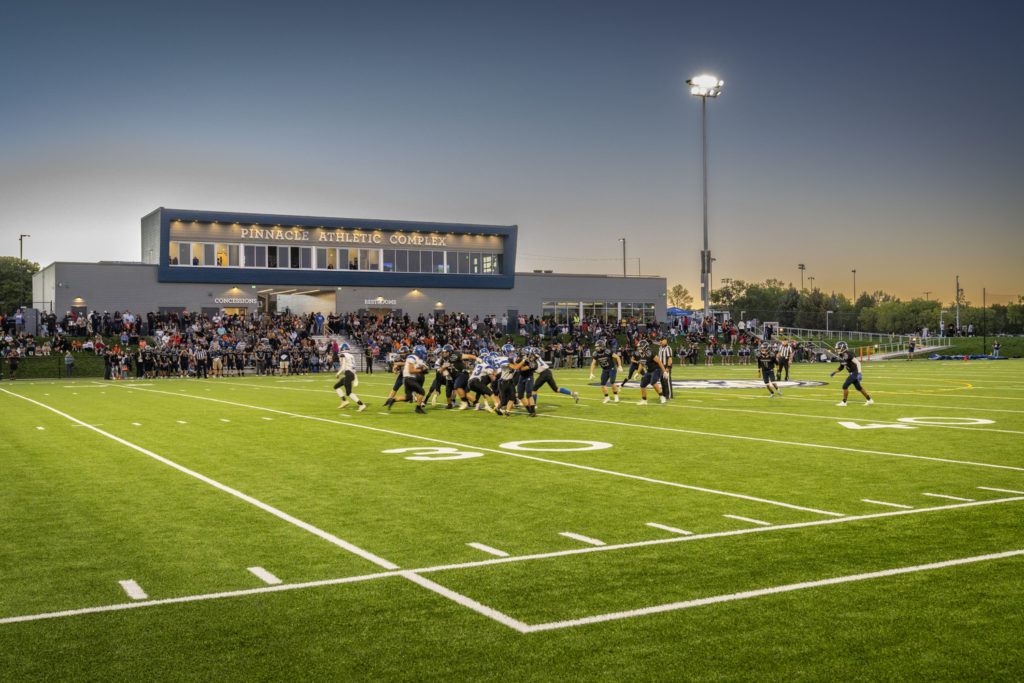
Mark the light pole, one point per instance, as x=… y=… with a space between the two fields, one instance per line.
x=811 y=278
x=827 y=314
x=623 y=240
x=802 y=268
x=705 y=86
x=854 y=271
x=21 y=277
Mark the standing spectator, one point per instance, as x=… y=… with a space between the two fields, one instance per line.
x=69 y=364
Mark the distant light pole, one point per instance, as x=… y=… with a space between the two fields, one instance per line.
x=705 y=86
x=827 y=314
x=854 y=271
x=726 y=281
x=21 y=278
x=802 y=268
x=811 y=278
x=926 y=295
x=623 y=240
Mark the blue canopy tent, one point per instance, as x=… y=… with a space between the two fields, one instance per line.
x=678 y=312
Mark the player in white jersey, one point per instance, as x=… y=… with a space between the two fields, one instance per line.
x=480 y=378
x=413 y=373
x=347 y=380
x=544 y=376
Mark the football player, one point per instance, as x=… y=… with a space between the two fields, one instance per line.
x=397 y=366
x=544 y=376
x=347 y=379
x=609 y=362
x=766 y=365
x=852 y=364
x=652 y=369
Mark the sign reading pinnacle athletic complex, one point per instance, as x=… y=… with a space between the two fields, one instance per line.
x=343 y=236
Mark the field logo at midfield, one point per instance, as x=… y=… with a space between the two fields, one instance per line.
x=726 y=384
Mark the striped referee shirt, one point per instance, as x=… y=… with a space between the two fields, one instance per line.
x=786 y=352
x=665 y=355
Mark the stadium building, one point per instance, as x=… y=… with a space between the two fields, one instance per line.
x=211 y=261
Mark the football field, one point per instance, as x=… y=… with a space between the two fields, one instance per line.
x=248 y=528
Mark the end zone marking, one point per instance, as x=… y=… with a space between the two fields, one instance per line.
x=266 y=576
x=940 y=495
x=133 y=590
x=461 y=599
x=579 y=537
x=892 y=505
x=670 y=528
x=747 y=519
x=488 y=549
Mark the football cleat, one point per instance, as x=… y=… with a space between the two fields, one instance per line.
x=841 y=404
x=361 y=408
x=869 y=402
x=664 y=400
x=642 y=402
x=576 y=396
x=607 y=398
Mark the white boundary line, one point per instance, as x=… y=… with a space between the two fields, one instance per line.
x=656 y=609
x=330 y=538
x=986 y=488
x=461 y=599
x=942 y=495
x=776 y=441
x=513 y=454
x=482 y=563
x=265 y=576
x=133 y=589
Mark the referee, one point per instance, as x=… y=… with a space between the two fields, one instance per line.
x=783 y=357
x=665 y=356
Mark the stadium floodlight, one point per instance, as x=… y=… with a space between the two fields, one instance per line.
x=705 y=86
x=827 y=314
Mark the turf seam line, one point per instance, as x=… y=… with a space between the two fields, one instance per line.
x=515 y=455
x=331 y=538
x=655 y=609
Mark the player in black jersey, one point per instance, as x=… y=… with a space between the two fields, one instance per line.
x=651 y=368
x=397 y=361
x=526 y=366
x=630 y=356
x=766 y=365
x=461 y=364
x=852 y=364
x=609 y=362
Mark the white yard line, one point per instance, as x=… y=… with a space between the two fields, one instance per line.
x=986 y=488
x=748 y=519
x=330 y=538
x=783 y=443
x=461 y=599
x=941 y=495
x=133 y=590
x=488 y=549
x=670 y=528
x=892 y=505
x=656 y=609
x=265 y=576
x=516 y=455
x=580 y=537
x=482 y=563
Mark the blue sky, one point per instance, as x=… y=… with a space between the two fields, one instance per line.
x=884 y=137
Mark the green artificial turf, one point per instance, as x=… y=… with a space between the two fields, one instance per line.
x=183 y=485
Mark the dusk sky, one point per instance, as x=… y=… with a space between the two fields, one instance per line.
x=883 y=137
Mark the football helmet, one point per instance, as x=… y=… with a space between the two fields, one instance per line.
x=601 y=344
x=841 y=346
x=508 y=349
x=420 y=351
x=343 y=348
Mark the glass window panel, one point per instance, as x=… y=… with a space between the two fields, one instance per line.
x=282 y=257
x=249 y=255
x=294 y=257
x=401 y=261
x=475 y=264
x=184 y=254
x=374 y=259
x=233 y=255
x=388 y=261
x=321 y=258
x=196 y=258
x=271 y=257
x=172 y=253
x=209 y=255
x=261 y=257
x=463 y=262
x=306 y=256
x=414 y=261
x=353 y=258
x=222 y=254
x=499 y=263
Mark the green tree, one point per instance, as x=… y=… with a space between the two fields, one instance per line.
x=15 y=282
x=680 y=297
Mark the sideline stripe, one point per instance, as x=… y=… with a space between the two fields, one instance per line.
x=515 y=455
x=482 y=563
x=767 y=591
x=776 y=441
x=940 y=495
x=488 y=549
x=580 y=537
x=133 y=590
x=747 y=519
x=266 y=576
x=461 y=599
x=670 y=528
x=330 y=538
x=892 y=505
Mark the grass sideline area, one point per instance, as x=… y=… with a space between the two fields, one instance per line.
x=248 y=528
